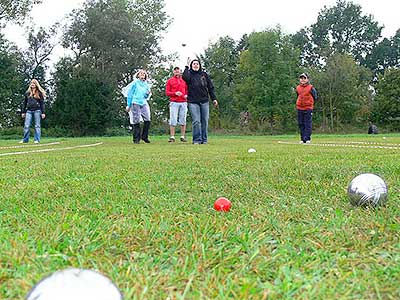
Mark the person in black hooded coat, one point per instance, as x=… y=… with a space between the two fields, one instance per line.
x=200 y=90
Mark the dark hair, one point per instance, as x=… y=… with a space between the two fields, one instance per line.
x=196 y=59
x=176 y=68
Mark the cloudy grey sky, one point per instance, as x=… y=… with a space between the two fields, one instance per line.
x=197 y=23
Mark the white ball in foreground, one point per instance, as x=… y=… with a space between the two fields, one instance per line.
x=75 y=284
x=251 y=150
x=367 y=190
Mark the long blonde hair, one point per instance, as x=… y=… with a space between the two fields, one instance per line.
x=38 y=90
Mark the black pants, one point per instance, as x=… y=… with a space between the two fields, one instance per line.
x=304 y=119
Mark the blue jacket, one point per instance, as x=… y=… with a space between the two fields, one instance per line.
x=138 y=93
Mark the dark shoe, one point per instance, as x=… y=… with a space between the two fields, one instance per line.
x=183 y=139
x=171 y=139
x=147 y=141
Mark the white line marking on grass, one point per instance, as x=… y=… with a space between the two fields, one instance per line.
x=50 y=149
x=367 y=143
x=26 y=146
x=341 y=145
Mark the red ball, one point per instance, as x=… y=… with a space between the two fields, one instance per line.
x=222 y=204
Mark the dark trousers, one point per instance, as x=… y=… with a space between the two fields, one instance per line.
x=304 y=119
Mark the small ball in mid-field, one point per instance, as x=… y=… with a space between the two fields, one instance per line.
x=251 y=150
x=77 y=284
x=367 y=190
x=222 y=204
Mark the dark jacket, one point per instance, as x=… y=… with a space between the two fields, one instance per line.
x=200 y=86
x=31 y=103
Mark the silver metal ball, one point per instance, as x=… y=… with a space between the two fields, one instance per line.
x=77 y=284
x=367 y=190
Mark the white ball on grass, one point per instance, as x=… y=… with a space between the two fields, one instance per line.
x=75 y=284
x=251 y=150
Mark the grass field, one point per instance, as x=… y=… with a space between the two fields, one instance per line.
x=143 y=215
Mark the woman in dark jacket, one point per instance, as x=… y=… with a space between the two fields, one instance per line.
x=200 y=89
x=33 y=108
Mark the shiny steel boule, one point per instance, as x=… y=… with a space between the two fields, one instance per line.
x=76 y=284
x=367 y=190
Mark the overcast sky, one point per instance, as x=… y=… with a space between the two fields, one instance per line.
x=197 y=23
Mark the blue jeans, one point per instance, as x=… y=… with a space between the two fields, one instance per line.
x=304 y=119
x=30 y=114
x=200 y=113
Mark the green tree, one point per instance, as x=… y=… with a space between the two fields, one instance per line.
x=15 y=10
x=339 y=29
x=386 y=54
x=35 y=58
x=266 y=75
x=344 y=93
x=82 y=103
x=11 y=85
x=386 y=105
x=117 y=36
x=111 y=40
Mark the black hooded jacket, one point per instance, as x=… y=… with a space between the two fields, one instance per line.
x=200 y=86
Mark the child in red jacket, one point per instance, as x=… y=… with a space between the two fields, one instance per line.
x=306 y=96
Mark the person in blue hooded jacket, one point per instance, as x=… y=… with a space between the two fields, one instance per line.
x=200 y=90
x=137 y=97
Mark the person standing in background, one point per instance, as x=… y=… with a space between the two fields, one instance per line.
x=200 y=89
x=176 y=89
x=33 y=108
x=306 y=96
x=137 y=97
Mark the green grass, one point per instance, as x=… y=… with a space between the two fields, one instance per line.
x=143 y=215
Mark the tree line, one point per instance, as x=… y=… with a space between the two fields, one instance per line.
x=355 y=70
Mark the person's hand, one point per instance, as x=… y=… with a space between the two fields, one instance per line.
x=23 y=116
x=127 y=109
x=189 y=60
x=178 y=93
x=215 y=102
x=43 y=116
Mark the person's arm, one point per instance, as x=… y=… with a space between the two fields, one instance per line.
x=185 y=91
x=41 y=103
x=24 y=104
x=210 y=87
x=168 y=91
x=314 y=94
x=186 y=75
x=129 y=98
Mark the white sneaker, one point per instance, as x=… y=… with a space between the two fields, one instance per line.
x=21 y=141
x=308 y=142
x=301 y=142
x=36 y=142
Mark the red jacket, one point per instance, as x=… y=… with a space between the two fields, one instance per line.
x=176 y=84
x=305 y=99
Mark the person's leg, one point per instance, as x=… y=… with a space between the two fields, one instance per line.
x=145 y=113
x=173 y=119
x=37 y=116
x=196 y=125
x=307 y=125
x=182 y=120
x=135 y=109
x=300 y=121
x=27 y=124
x=205 y=113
